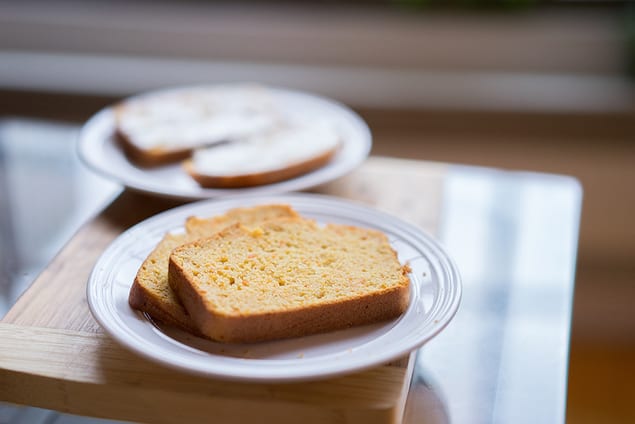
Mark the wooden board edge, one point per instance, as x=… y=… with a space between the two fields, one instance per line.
x=63 y=370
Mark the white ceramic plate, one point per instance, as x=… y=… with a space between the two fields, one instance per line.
x=435 y=295
x=99 y=149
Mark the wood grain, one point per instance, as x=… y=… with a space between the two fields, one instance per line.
x=52 y=373
x=54 y=355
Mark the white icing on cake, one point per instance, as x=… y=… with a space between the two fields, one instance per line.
x=180 y=120
x=281 y=147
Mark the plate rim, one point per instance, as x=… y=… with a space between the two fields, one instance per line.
x=86 y=140
x=450 y=308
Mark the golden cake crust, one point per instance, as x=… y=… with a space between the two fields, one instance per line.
x=288 y=278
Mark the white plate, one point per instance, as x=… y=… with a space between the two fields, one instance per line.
x=98 y=148
x=435 y=295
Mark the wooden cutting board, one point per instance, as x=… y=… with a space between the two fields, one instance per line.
x=54 y=355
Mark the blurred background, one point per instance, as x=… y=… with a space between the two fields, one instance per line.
x=537 y=85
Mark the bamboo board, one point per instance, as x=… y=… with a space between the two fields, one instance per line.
x=54 y=354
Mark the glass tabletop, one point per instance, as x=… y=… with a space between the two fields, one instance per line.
x=513 y=235
x=504 y=358
x=46 y=194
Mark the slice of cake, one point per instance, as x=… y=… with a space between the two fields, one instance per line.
x=151 y=292
x=165 y=127
x=284 y=152
x=288 y=278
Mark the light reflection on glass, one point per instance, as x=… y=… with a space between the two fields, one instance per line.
x=47 y=193
x=504 y=356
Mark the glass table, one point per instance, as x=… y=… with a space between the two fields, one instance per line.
x=513 y=235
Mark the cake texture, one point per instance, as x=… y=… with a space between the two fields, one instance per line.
x=287 y=278
x=150 y=291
